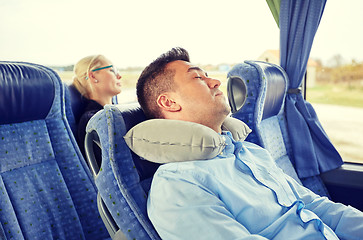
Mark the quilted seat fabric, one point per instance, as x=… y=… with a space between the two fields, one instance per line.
x=46 y=190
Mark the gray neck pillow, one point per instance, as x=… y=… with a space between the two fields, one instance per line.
x=165 y=140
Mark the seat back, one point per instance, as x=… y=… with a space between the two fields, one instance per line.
x=47 y=190
x=265 y=86
x=77 y=103
x=75 y=106
x=123 y=179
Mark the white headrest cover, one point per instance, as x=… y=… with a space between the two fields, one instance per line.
x=164 y=140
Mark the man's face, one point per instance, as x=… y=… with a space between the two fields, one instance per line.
x=198 y=95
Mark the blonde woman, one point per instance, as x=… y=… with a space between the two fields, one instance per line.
x=97 y=80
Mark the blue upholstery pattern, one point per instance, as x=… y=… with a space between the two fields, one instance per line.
x=263 y=112
x=252 y=108
x=46 y=189
x=271 y=138
x=124 y=179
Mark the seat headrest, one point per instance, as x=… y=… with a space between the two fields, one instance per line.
x=237 y=92
x=27 y=91
x=276 y=87
x=259 y=84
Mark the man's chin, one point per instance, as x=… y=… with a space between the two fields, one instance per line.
x=227 y=110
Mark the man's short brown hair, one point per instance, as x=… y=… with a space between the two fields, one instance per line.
x=156 y=79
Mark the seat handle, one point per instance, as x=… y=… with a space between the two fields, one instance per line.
x=92 y=137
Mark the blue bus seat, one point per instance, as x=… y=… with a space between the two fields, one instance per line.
x=47 y=191
x=123 y=179
x=75 y=106
x=260 y=88
x=79 y=102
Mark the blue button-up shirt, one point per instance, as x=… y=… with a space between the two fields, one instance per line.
x=242 y=194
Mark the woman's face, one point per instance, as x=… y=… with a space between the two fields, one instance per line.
x=107 y=79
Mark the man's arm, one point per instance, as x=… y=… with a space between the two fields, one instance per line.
x=180 y=209
x=346 y=221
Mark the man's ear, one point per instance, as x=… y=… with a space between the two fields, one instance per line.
x=167 y=103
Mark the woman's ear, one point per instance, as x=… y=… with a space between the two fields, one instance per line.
x=91 y=77
x=166 y=103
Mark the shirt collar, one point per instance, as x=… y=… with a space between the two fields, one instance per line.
x=229 y=146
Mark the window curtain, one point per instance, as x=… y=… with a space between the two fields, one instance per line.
x=313 y=152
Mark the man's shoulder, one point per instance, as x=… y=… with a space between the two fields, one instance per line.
x=197 y=170
x=183 y=167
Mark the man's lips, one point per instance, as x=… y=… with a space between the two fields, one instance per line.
x=218 y=93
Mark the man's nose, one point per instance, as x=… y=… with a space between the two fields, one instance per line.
x=213 y=83
x=119 y=76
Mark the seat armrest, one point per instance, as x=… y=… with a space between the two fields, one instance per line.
x=345 y=184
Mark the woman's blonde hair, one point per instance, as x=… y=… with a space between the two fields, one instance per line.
x=81 y=71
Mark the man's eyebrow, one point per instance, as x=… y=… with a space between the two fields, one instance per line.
x=198 y=69
x=194 y=68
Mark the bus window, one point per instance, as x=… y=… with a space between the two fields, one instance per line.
x=222 y=35
x=335 y=83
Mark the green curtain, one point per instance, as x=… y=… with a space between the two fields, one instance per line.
x=274 y=6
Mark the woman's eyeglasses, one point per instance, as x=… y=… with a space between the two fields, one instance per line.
x=113 y=69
